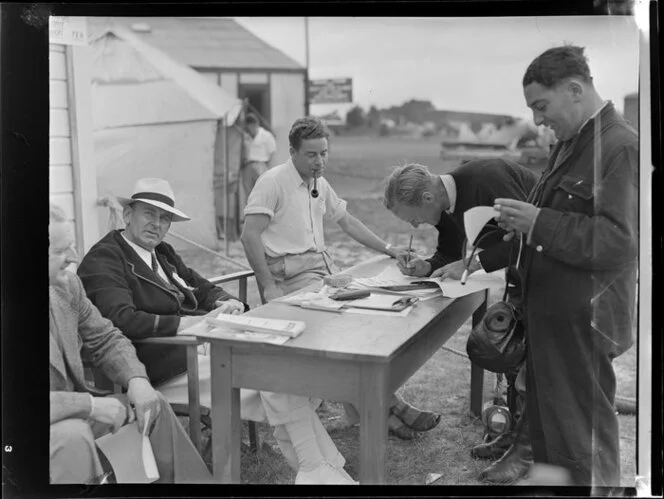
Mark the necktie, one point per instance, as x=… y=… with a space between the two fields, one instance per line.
x=155 y=265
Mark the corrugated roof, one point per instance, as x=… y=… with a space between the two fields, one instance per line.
x=202 y=42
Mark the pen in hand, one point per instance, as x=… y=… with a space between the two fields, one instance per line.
x=410 y=248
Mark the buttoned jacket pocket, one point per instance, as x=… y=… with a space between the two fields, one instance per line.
x=574 y=194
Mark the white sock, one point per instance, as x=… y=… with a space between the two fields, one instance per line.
x=325 y=443
x=303 y=439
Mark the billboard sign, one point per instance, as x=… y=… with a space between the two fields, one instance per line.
x=331 y=91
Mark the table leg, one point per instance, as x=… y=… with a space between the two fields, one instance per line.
x=477 y=373
x=374 y=401
x=226 y=429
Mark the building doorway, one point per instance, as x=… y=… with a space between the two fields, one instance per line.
x=258 y=95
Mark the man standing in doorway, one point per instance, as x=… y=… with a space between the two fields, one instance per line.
x=259 y=152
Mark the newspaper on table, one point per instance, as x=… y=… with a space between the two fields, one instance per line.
x=392 y=276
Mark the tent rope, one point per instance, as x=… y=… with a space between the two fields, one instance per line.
x=115 y=215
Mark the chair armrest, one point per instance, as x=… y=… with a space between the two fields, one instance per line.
x=243 y=274
x=170 y=340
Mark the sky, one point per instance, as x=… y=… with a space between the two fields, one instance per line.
x=466 y=64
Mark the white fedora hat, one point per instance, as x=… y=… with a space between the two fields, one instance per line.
x=157 y=192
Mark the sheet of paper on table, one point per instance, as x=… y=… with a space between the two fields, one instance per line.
x=392 y=276
x=252 y=336
x=315 y=300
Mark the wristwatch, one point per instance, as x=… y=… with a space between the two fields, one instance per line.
x=388 y=246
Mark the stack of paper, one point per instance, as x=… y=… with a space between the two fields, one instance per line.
x=291 y=329
x=231 y=334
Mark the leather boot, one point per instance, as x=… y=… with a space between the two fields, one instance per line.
x=516 y=462
x=495 y=448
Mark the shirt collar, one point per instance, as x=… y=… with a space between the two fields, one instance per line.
x=293 y=173
x=450 y=187
x=140 y=251
x=593 y=116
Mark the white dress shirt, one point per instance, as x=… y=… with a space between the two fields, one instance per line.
x=146 y=256
x=261 y=147
x=450 y=187
x=296 y=218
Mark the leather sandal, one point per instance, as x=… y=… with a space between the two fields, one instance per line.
x=415 y=418
x=397 y=428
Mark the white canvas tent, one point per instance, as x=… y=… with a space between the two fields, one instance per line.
x=153 y=117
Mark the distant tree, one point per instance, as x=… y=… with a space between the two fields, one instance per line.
x=373 y=117
x=355 y=117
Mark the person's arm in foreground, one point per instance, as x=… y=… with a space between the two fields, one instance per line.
x=254 y=226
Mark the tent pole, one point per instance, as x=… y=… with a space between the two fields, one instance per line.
x=226 y=203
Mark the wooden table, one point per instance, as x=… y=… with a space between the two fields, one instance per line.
x=354 y=358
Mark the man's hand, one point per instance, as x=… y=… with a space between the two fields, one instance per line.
x=452 y=270
x=455 y=270
x=514 y=216
x=272 y=292
x=416 y=267
x=231 y=306
x=143 y=397
x=188 y=321
x=401 y=254
x=111 y=411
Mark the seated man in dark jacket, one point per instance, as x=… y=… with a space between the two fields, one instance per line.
x=140 y=283
x=80 y=413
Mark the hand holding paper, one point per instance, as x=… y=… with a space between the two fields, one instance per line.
x=149 y=462
x=475 y=219
x=144 y=398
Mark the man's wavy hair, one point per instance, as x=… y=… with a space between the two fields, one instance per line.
x=556 y=65
x=406 y=185
x=306 y=129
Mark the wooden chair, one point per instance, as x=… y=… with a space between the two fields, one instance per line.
x=192 y=407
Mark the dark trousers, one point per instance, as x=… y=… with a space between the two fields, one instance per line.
x=570 y=391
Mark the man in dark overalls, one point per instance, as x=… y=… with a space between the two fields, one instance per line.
x=578 y=234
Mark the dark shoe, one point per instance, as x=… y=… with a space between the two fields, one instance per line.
x=510 y=468
x=495 y=448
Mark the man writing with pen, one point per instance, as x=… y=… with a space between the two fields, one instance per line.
x=284 y=240
x=416 y=196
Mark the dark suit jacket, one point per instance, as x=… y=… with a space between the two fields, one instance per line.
x=479 y=183
x=584 y=250
x=127 y=291
x=78 y=331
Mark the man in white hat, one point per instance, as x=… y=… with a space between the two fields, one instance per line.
x=140 y=283
x=80 y=413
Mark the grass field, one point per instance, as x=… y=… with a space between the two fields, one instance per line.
x=356 y=169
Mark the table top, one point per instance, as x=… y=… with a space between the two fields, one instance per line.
x=349 y=336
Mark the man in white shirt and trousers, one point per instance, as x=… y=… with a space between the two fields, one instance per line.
x=259 y=153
